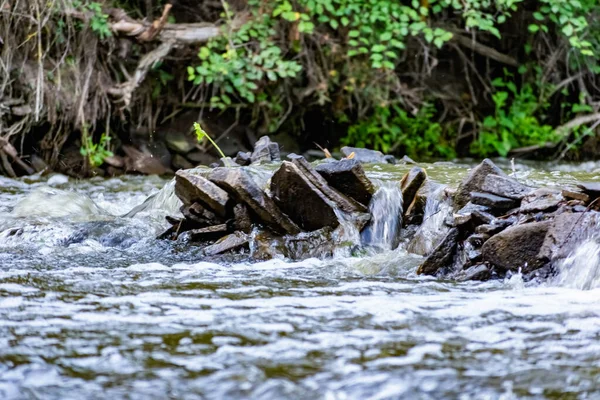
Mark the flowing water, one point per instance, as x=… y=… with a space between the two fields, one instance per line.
x=92 y=306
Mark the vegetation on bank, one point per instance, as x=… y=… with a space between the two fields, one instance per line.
x=427 y=78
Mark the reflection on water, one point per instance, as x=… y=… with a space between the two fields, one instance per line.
x=96 y=308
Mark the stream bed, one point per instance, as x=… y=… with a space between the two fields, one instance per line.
x=93 y=306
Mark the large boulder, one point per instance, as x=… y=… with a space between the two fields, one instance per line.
x=192 y=188
x=517 y=247
x=365 y=156
x=240 y=184
x=265 y=151
x=411 y=182
x=348 y=177
x=299 y=198
x=474 y=181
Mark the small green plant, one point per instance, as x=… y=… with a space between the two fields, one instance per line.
x=201 y=134
x=515 y=121
x=95 y=153
x=99 y=20
x=391 y=129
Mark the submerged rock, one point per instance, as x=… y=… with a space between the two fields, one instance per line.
x=240 y=184
x=474 y=181
x=348 y=177
x=442 y=255
x=517 y=247
x=265 y=151
x=191 y=188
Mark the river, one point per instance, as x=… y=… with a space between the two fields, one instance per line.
x=93 y=306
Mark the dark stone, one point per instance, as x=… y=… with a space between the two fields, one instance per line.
x=305 y=204
x=198 y=215
x=201 y=157
x=191 y=188
x=305 y=245
x=342 y=202
x=242 y=221
x=227 y=243
x=505 y=186
x=490 y=229
x=348 y=177
x=180 y=162
x=543 y=199
x=390 y=159
x=474 y=255
x=517 y=247
x=472 y=215
x=240 y=184
x=180 y=142
x=478 y=239
x=474 y=181
x=475 y=273
x=204 y=234
x=413 y=213
x=566 y=232
x=541 y=274
x=492 y=201
x=266 y=246
x=243 y=158
x=411 y=183
x=590 y=188
x=442 y=255
x=365 y=156
x=265 y=151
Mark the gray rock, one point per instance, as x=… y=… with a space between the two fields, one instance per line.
x=492 y=201
x=475 y=273
x=240 y=184
x=473 y=215
x=192 y=188
x=474 y=181
x=243 y=158
x=567 y=231
x=478 y=239
x=305 y=204
x=265 y=151
x=227 y=243
x=204 y=234
x=543 y=199
x=365 y=156
x=305 y=245
x=407 y=160
x=442 y=255
x=349 y=178
x=242 y=220
x=573 y=195
x=505 y=186
x=490 y=229
x=517 y=247
x=592 y=189
x=390 y=159
x=411 y=183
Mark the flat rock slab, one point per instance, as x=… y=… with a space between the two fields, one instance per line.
x=302 y=201
x=505 y=186
x=365 y=156
x=567 y=231
x=192 y=188
x=344 y=203
x=517 y=247
x=442 y=255
x=349 y=178
x=492 y=201
x=411 y=183
x=541 y=200
x=227 y=243
x=240 y=184
x=208 y=233
x=474 y=181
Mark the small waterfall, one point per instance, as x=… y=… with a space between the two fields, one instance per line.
x=581 y=270
x=433 y=228
x=384 y=228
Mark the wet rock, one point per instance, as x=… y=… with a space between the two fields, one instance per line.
x=302 y=201
x=365 y=156
x=442 y=255
x=474 y=255
x=541 y=274
x=243 y=158
x=192 y=188
x=472 y=215
x=505 y=186
x=310 y=244
x=478 y=239
x=413 y=213
x=566 y=231
x=227 y=243
x=411 y=182
x=592 y=189
x=265 y=151
x=543 y=199
x=517 y=247
x=266 y=246
x=205 y=234
x=390 y=159
x=240 y=184
x=349 y=178
x=572 y=195
x=492 y=201
x=342 y=202
x=474 y=181
x=198 y=215
x=242 y=220
x=475 y=273
x=490 y=229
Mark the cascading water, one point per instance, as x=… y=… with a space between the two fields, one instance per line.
x=581 y=270
x=386 y=218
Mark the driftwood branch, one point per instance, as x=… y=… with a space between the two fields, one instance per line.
x=484 y=50
x=578 y=121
